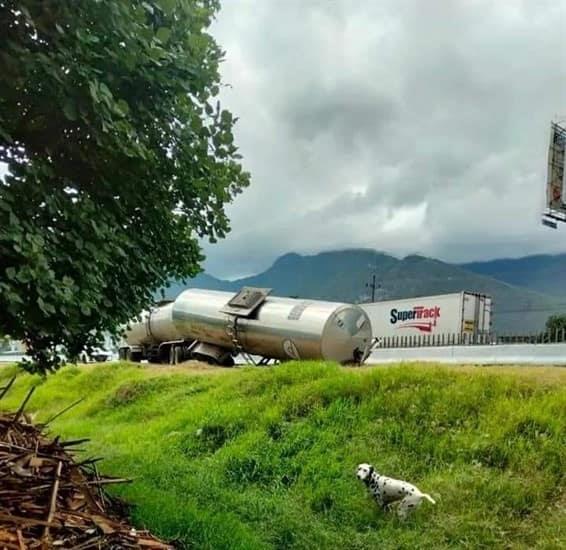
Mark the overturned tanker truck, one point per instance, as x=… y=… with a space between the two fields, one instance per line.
x=216 y=327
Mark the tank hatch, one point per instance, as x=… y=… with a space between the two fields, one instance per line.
x=246 y=301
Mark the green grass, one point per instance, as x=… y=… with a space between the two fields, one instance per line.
x=265 y=458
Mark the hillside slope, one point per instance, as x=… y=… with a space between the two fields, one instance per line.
x=202 y=280
x=542 y=273
x=265 y=458
x=342 y=276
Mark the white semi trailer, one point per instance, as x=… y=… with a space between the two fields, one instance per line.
x=445 y=314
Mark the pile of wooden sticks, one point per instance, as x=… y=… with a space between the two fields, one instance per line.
x=48 y=500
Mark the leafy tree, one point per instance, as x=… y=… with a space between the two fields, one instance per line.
x=556 y=326
x=119 y=160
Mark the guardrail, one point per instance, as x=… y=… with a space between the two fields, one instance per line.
x=501 y=354
x=467 y=339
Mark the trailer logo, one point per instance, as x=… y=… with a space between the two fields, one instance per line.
x=418 y=314
x=291 y=349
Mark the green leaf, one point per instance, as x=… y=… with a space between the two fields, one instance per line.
x=123 y=107
x=14 y=298
x=93 y=88
x=11 y=273
x=69 y=110
x=167 y=6
x=163 y=34
x=104 y=90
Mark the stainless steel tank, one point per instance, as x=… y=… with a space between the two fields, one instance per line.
x=155 y=326
x=281 y=328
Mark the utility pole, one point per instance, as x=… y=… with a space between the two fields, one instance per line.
x=373 y=285
x=373 y=282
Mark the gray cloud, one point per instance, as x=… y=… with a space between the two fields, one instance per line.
x=404 y=125
x=352 y=116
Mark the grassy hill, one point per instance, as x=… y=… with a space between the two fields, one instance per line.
x=265 y=458
x=342 y=276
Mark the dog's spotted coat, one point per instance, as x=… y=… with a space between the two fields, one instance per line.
x=388 y=491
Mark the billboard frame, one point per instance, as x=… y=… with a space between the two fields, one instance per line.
x=556 y=177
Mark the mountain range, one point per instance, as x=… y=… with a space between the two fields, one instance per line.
x=525 y=291
x=543 y=273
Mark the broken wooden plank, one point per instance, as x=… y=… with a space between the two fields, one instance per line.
x=66 y=409
x=23 y=405
x=6 y=389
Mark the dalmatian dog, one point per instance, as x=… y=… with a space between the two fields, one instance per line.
x=388 y=491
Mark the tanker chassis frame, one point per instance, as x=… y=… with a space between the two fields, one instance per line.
x=177 y=351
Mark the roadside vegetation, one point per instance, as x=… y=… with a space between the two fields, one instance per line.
x=265 y=458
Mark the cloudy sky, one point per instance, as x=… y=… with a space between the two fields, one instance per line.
x=402 y=125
